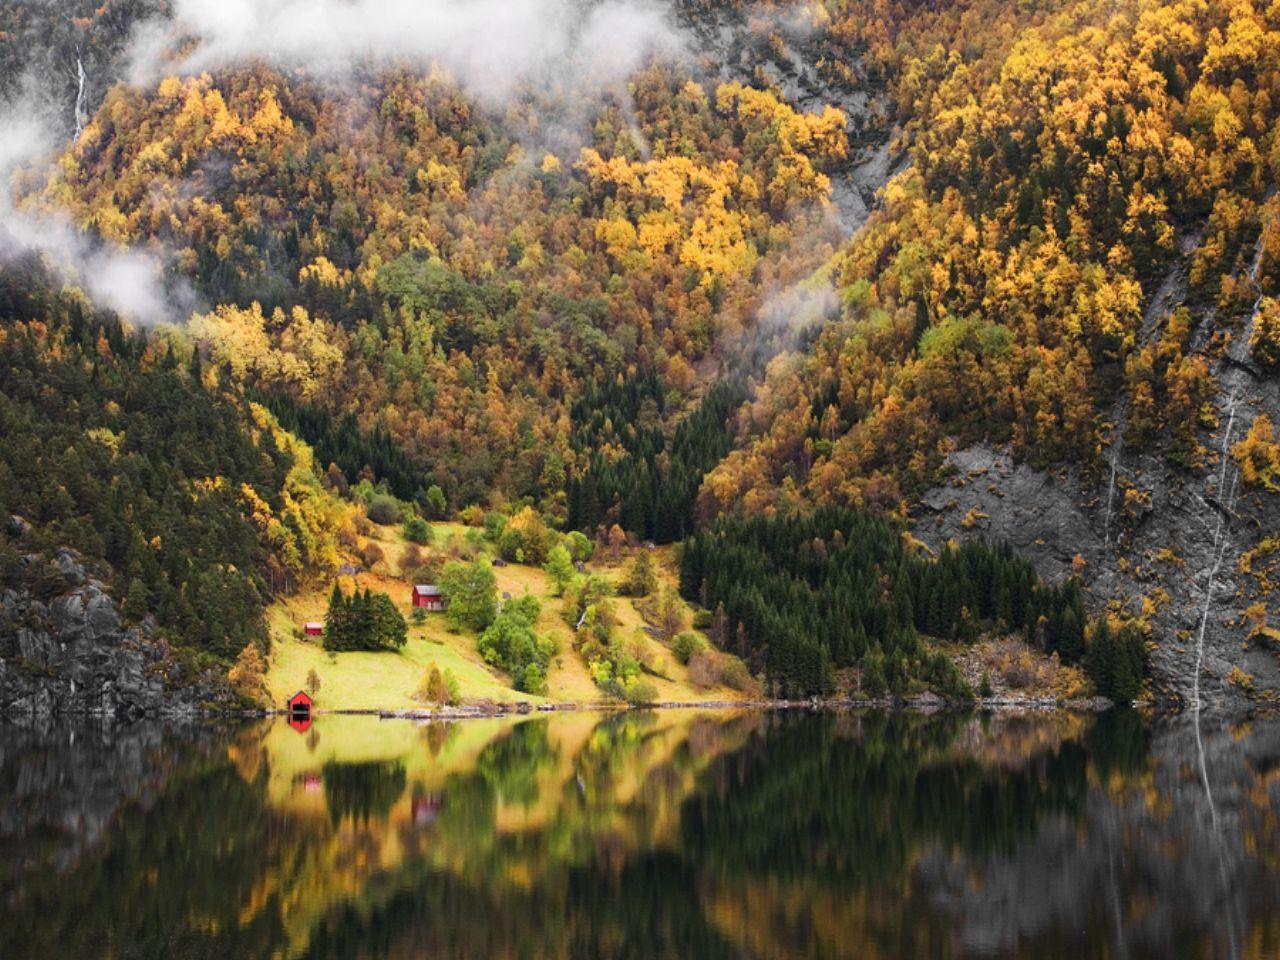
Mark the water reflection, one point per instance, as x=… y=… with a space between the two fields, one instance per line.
x=685 y=834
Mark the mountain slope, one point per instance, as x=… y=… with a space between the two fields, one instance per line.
x=1079 y=271
x=131 y=485
x=1056 y=323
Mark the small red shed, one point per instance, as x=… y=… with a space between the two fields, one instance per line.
x=428 y=595
x=313 y=628
x=300 y=702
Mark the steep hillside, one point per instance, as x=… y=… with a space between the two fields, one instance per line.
x=977 y=269
x=146 y=511
x=1059 y=329
x=464 y=288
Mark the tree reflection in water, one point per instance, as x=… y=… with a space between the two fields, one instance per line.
x=708 y=834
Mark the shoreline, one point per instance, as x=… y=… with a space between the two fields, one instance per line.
x=922 y=704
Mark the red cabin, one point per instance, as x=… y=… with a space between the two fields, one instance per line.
x=300 y=702
x=428 y=595
x=313 y=628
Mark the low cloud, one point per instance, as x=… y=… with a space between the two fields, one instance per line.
x=801 y=307
x=130 y=281
x=492 y=47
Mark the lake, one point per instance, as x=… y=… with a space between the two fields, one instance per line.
x=644 y=834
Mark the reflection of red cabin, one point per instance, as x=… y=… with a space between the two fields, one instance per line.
x=313 y=628
x=428 y=595
x=425 y=809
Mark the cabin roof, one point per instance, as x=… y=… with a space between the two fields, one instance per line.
x=303 y=695
x=427 y=590
x=314 y=623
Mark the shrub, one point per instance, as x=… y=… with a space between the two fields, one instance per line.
x=535 y=680
x=702 y=669
x=686 y=644
x=419 y=566
x=581 y=547
x=417 y=530
x=371 y=554
x=733 y=673
x=438 y=688
x=1017 y=669
x=384 y=509
x=472 y=516
x=640 y=692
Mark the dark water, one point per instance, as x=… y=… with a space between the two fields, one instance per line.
x=675 y=834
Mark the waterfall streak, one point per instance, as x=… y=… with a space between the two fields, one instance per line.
x=1219 y=546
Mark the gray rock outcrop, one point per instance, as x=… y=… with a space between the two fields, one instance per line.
x=72 y=654
x=1177 y=544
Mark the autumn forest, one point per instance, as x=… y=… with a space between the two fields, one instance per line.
x=761 y=336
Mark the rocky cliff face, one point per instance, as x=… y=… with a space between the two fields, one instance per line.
x=72 y=655
x=1146 y=530
x=785 y=52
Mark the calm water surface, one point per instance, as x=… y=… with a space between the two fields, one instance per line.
x=670 y=834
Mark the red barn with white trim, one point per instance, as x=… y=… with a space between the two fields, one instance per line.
x=428 y=595
x=313 y=628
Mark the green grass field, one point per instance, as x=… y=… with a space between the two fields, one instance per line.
x=388 y=680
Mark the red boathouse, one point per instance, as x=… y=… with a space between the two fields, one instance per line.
x=313 y=628
x=300 y=711
x=428 y=595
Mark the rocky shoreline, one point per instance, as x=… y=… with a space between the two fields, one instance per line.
x=925 y=703
x=71 y=655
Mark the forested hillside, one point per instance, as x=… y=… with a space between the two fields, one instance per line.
x=871 y=271
x=1080 y=264
x=460 y=290
x=1008 y=289
x=190 y=500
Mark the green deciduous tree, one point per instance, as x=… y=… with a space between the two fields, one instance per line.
x=473 y=593
x=559 y=567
